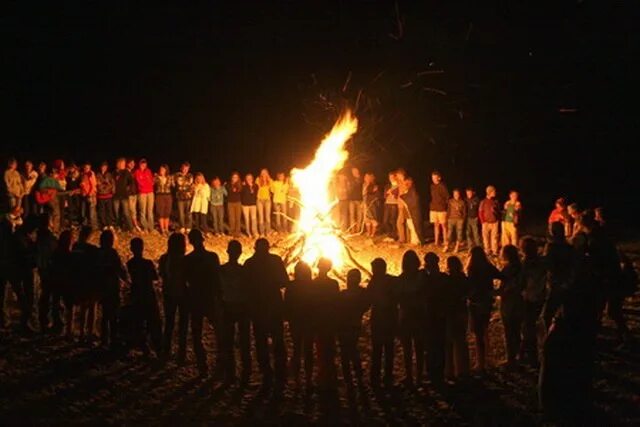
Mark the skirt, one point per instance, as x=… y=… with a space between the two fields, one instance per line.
x=163 y=205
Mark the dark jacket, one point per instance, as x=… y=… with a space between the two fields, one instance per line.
x=439 y=197
x=124 y=184
x=472 y=207
x=266 y=276
x=457 y=209
x=384 y=305
x=203 y=280
x=249 y=194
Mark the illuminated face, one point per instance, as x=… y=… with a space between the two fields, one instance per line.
x=184 y=169
x=436 y=179
x=143 y=166
x=456 y=195
x=121 y=164
x=470 y=194
x=513 y=196
x=103 y=168
x=235 y=178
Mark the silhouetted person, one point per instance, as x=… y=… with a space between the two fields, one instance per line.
x=143 y=276
x=61 y=277
x=174 y=292
x=558 y=258
x=49 y=302
x=435 y=317
x=511 y=302
x=533 y=277
x=384 y=320
x=352 y=304
x=457 y=319
x=203 y=281
x=84 y=279
x=481 y=275
x=111 y=273
x=6 y=253
x=326 y=291
x=267 y=275
x=298 y=305
x=235 y=313
x=411 y=317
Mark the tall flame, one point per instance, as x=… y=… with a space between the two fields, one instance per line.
x=316 y=222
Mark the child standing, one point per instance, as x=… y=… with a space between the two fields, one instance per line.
x=511 y=219
x=456 y=214
x=488 y=214
x=218 y=193
x=200 y=203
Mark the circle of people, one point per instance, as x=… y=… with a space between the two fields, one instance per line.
x=561 y=290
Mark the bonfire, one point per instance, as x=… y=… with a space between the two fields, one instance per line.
x=316 y=234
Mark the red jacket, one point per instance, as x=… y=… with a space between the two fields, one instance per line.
x=489 y=211
x=144 y=179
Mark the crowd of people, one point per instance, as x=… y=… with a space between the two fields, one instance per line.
x=551 y=298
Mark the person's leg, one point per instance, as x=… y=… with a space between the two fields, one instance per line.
x=262 y=349
x=267 y=216
x=451 y=231
x=279 y=351
x=141 y=202
x=486 y=237
x=170 y=308
x=247 y=225
x=389 y=353
x=376 y=360
x=352 y=217
x=615 y=313
x=244 y=332
x=150 y=209
x=214 y=217
x=181 y=214
x=231 y=209
x=400 y=225
x=198 y=348
x=254 y=221
x=494 y=238
x=27 y=291
x=260 y=207
x=407 y=354
x=125 y=209
x=183 y=328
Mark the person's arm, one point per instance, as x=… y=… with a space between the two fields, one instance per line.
x=481 y=212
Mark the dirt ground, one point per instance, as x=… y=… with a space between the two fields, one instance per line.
x=51 y=380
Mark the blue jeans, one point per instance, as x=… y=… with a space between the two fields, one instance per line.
x=122 y=211
x=145 y=206
x=184 y=213
x=473 y=233
x=264 y=216
x=217 y=212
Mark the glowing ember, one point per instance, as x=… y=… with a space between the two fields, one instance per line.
x=316 y=225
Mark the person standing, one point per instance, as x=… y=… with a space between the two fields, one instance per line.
x=457 y=319
x=411 y=215
x=438 y=208
x=266 y=275
x=105 y=188
x=511 y=302
x=435 y=323
x=234 y=204
x=456 y=215
x=248 y=197
x=203 y=281
x=560 y=214
x=30 y=177
x=74 y=196
x=488 y=213
x=47 y=197
x=390 y=212
x=145 y=196
x=293 y=207
x=298 y=301
x=22 y=262
x=384 y=319
x=14 y=184
x=473 y=233
x=218 y=194
x=371 y=204
x=133 y=196
x=88 y=188
x=200 y=203
x=352 y=304
x=511 y=219
x=356 y=207
x=111 y=273
x=558 y=257
x=163 y=186
x=263 y=202
x=48 y=302
x=280 y=193
x=122 y=190
x=533 y=276
x=183 y=181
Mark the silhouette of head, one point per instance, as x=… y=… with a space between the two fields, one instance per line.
x=85 y=233
x=529 y=247
x=107 y=239
x=354 y=277
x=262 y=246
x=324 y=266
x=510 y=255
x=302 y=271
x=196 y=238
x=137 y=246
x=454 y=266
x=177 y=244
x=234 y=250
x=431 y=262
x=378 y=267
x=410 y=261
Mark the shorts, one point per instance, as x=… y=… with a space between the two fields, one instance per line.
x=438 y=217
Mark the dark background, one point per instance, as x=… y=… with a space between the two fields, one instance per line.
x=536 y=97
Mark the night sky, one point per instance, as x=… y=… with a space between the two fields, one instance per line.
x=532 y=97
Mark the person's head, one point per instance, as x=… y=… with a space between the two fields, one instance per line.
x=599 y=215
x=121 y=163
x=392 y=178
x=85 y=233
x=574 y=210
x=86 y=168
x=368 y=178
x=216 y=183
x=262 y=246
x=281 y=176
x=410 y=262
x=470 y=192
x=264 y=175
x=477 y=258
x=107 y=239
x=58 y=164
x=355 y=172
x=491 y=192
x=28 y=165
x=378 y=267
x=235 y=177
x=177 y=244
x=65 y=240
x=561 y=203
x=401 y=174
x=42 y=168
x=12 y=164
x=142 y=164
x=436 y=178
x=432 y=262
x=324 y=266
x=131 y=164
x=234 y=250
x=513 y=196
x=529 y=248
x=456 y=194
x=137 y=247
x=104 y=167
x=510 y=255
x=248 y=179
x=588 y=220
x=557 y=231
x=454 y=266
x=199 y=178
x=408 y=182
x=196 y=238
x=302 y=272
x=54 y=172
x=184 y=167
x=163 y=170
x=354 y=277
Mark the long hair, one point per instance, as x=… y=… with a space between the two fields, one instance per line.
x=410 y=262
x=510 y=255
x=478 y=261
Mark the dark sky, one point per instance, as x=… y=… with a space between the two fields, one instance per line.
x=476 y=90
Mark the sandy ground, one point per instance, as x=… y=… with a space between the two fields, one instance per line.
x=50 y=380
